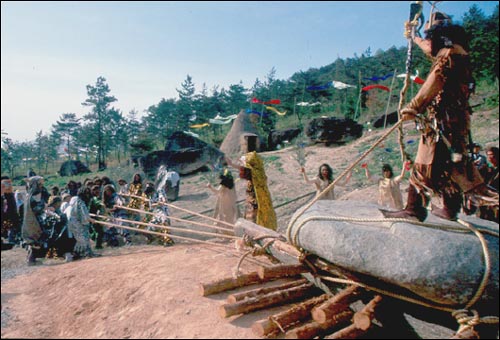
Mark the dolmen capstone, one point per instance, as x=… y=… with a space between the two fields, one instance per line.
x=442 y=266
x=331 y=130
x=183 y=154
x=72 y=168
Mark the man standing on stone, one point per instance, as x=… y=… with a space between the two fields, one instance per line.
x=442 y=165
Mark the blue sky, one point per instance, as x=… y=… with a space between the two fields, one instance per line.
x=52 y=50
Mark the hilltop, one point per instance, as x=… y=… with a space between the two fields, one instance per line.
x=146 y=291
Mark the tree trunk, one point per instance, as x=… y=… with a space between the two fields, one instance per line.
x=262 y=291
x=268 y=300
x=228 y=284
x=302 y=311
x=282 y=270
x=313 y=328
x=333 y=306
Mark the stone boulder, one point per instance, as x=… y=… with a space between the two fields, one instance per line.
x=331 y=130
x=392 y=118
x=183 y=154
x=277 y=137
x=72 y=168
x=442 y=266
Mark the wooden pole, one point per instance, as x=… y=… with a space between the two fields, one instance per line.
x=362 y=320
x=185 y=210
x=389 y=99
x=159 y=234
x=282 y=270
x=262 y=291
x=324 y=312
x=176 y=219
x=268 y=300
x=223 y=285
x=349 y=332
x=175 y=228
x=277 y=323
x=245 y=227
x=313 y=329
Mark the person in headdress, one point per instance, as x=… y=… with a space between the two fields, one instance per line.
x=32 y=231
x=60 y=242
x=442 y=165
x=79 y=222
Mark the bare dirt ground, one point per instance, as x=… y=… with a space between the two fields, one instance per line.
x=147 y=291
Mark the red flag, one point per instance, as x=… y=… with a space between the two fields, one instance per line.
x=273 y=101
x=370 y=87
x=418 y=80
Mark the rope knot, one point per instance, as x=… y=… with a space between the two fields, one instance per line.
x=467 y=319
x=248 y=240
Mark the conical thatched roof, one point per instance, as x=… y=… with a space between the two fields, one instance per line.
x=242 y=125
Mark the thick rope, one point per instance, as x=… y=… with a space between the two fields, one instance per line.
x=175 y=219
x=185 y=210
x=172 y=228
x=159 y=234
x=468 y=322
x=487 y=264
x=402 y=93
x=228 y=249
x=255 y=252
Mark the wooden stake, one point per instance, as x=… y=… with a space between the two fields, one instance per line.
x=322 y=313
x=267 y=300
x=362 y=321
x=262 y=291
x=363 y=318
x=350 y=332
x=269 y=327
x=229 y=283
x=281 y=270
x=312 y=329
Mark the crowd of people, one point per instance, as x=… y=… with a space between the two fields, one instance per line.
x=61 y=223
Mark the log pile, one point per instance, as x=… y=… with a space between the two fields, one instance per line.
x=310 y=314
x=337 y=311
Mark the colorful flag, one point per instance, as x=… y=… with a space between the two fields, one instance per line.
x=270 y=108
x=191 y=134
x=339 y=85
x=319 y=88
x=269 y=102
x=199 y=126
x=371 y=87
x=308 y=104
x=256 y=112
x=377 y=78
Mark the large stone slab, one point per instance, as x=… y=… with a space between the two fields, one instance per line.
x=445 y=267
x=72 y=168
x=330 y=130
x=183 y=154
